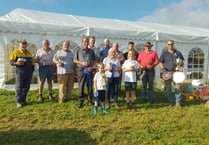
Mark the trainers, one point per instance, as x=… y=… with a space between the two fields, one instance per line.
x=61 y=101
x=50 y=97
x=108 y=106
x=25 y=103
x=40 y=98
x=178 y=105
x=80 y=105
x=170 y=105
x=117 y=106
x=19 y=105
x=90 y=104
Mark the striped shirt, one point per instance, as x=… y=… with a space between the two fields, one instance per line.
x=44 y=57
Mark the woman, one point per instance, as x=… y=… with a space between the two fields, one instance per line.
x=112 y=70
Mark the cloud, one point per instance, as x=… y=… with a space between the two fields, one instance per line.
x=186 y=12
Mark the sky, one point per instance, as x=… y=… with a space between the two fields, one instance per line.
x=175 y=12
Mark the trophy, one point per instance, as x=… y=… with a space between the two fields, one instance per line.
x=61 y=60
x=179 y=64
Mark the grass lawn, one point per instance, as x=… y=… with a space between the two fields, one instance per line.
x=51 y=123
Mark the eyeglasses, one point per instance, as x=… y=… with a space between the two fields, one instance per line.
x=171 y=44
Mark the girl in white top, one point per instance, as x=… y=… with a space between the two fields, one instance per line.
x=100 y=81
x=130 y=67
x=112 y=70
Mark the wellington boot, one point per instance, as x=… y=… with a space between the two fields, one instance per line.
x=103 y=109
x=95 y=110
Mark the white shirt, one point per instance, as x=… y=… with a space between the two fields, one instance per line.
x=100 y=82
x=114 y=61
x=130 y=76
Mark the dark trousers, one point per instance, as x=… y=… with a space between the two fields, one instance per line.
x=112 y=89
x=82 y=81
x=148 y=80
x=22 y=84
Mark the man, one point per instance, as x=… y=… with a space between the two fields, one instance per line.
x=148 y=59
x=65 y=71
x=104 y=51
x=168 y=61
x=23 y=61
x=120 y=56
x=92 y=46
x=131 y=47
x=44 y=58
x=85 y=59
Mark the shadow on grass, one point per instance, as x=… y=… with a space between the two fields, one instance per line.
x=46 y=137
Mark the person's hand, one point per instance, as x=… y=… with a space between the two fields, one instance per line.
x=60 y=64
x=20 y=63
x=132 y=68
x=109 y=67
x=90 y=69
x=84 y=63
x=164 y=69
x=149 y=66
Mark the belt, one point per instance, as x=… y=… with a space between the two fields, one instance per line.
x=148 y=69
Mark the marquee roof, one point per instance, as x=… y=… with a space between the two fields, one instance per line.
x=46 y=23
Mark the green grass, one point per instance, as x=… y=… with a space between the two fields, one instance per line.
x=51 y=123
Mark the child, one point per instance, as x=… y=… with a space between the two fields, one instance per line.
x=100 y=81
x=130 y=67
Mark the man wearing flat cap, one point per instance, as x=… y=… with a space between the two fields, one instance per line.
x=23 y=61
x=148 y=59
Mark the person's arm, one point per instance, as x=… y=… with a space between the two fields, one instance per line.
x=162 y=66
x=95 y=86
x=83 y=63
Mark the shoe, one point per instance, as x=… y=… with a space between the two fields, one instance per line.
x=40 y=98
x=95 y=111
x=50 y=97
x=170 y=105
x=66 y=100
x=25 y=103
x=103 y=109
x=133 y=107
x=90 y=104
x=80 y=105
x=108 y=105
x=178 y=105
x=19 y=105
x=60 y=101
x=117 y=106
x=128 y=106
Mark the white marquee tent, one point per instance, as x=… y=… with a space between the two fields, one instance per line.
x=34 y=26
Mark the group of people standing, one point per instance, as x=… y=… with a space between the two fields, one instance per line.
x=98 y=70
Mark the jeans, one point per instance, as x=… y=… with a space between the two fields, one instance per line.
x=112 y=88
x=170 y=97
x=148 y=79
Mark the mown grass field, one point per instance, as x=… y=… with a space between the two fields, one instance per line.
x=51 y=123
